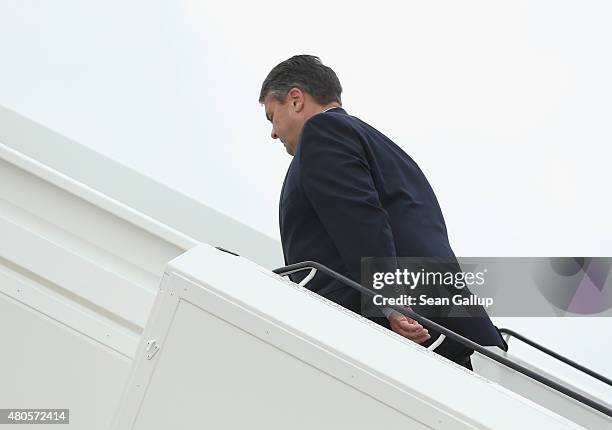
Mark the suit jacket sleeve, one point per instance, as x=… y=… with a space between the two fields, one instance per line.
x=336 y=178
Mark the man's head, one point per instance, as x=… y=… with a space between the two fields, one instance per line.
x=295 y=90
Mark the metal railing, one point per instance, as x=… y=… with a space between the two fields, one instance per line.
x=555 y=355
x=293 y=268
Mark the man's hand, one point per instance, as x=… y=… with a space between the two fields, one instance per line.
x=408 y=328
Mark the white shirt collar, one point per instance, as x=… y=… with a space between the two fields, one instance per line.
x=333 y=107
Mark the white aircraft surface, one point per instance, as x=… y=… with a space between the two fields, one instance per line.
x=116 y=303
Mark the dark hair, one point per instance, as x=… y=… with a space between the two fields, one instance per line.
x=308 y=74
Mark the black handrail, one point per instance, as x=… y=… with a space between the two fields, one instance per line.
x=292 y=268
x=556 y=355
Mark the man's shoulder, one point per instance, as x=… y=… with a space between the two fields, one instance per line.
x=327 y=136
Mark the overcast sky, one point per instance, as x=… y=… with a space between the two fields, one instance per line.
x=506 y=106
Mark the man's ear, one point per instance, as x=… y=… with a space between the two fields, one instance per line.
x=296 y=98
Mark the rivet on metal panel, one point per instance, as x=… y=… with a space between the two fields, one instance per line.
x=152 y=348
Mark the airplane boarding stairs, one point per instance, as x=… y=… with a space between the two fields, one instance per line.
x=132 y=323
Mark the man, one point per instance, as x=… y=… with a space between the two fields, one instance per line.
x=349 y=193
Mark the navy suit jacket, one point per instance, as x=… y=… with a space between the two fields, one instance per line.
x=350 y=192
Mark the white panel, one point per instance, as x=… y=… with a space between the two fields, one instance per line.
x=108 y=225
x=34 y=293
x=139 y=192
x=83 y=278
x=45 y=364
x=228 y=378
x=87 y=251
x=237 y=311
x=78 y=277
